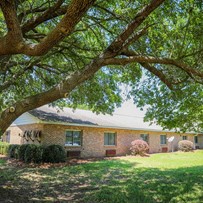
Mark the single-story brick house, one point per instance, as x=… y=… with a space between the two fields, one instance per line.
x=85 y=134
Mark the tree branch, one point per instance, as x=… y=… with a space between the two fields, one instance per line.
x=110 y=12
x=191 y=54
x=14 y=35
x=50 y=13
x=117 y=45
x=159 y=74
x=15 y=76
x=149 y=59
x=135 y=37
x=75 y=12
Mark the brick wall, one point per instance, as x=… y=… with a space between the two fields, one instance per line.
x=93 y=138
x=16 y=133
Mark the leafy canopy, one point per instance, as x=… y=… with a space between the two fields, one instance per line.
x=162 y=67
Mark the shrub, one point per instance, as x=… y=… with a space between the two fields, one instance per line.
x=21 y=152
x=33 y=153
x=4 y=148
x=139 y=147
x=13 y=150
x=185 y=146
x=54 y=154
x=38 y=158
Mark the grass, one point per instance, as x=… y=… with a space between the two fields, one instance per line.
x=2 y=162
x=160 y=178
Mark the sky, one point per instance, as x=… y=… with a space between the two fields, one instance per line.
x=128 y=108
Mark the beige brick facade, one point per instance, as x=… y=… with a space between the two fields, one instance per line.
x=93 y=138
x=16 y=133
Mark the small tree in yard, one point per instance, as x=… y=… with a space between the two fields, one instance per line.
x=139 y=147
x=185 y=146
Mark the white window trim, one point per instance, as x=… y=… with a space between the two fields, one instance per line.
x=67 y=145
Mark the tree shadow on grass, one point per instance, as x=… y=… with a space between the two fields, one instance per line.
x=150 y=185
x=107 y=181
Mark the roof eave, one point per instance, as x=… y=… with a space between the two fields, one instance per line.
x=110 y=127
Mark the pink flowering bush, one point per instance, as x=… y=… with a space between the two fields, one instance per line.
x=139 y=147
x=185 y=146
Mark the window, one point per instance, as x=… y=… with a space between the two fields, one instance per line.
x=145 y=137
x=8 y=136
x=109 y=138
x=184 y=137
x=73 y=138
x=196 y=139
x=162 y=139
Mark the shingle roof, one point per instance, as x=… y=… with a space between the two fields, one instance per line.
x=87 y=118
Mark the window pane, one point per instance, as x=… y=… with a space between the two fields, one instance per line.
x=109 y=138
x=69 y=133
x=184 y=137
x=144 y=137
x=106 y=139
x=196 y=140
x=76 y=134
x=73 y=138
x=76 y=138
x=163 y=139
x=69 y=140
x=76 y=143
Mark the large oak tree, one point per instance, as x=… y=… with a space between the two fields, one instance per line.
x=82 y=52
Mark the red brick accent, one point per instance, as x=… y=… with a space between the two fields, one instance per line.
x=110 y=152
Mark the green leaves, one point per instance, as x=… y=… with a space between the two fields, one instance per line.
x=181 y=110
x=175 y=31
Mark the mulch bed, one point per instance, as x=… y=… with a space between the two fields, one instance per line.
x=69 y=162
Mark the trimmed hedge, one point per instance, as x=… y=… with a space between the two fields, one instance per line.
x=4 y=148
x=21 y=152
x=54 y=154
x=33 y=153
x=139 y=147
x=13 y=151
x=185 y=146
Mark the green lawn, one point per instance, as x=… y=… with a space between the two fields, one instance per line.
x=164 y=178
